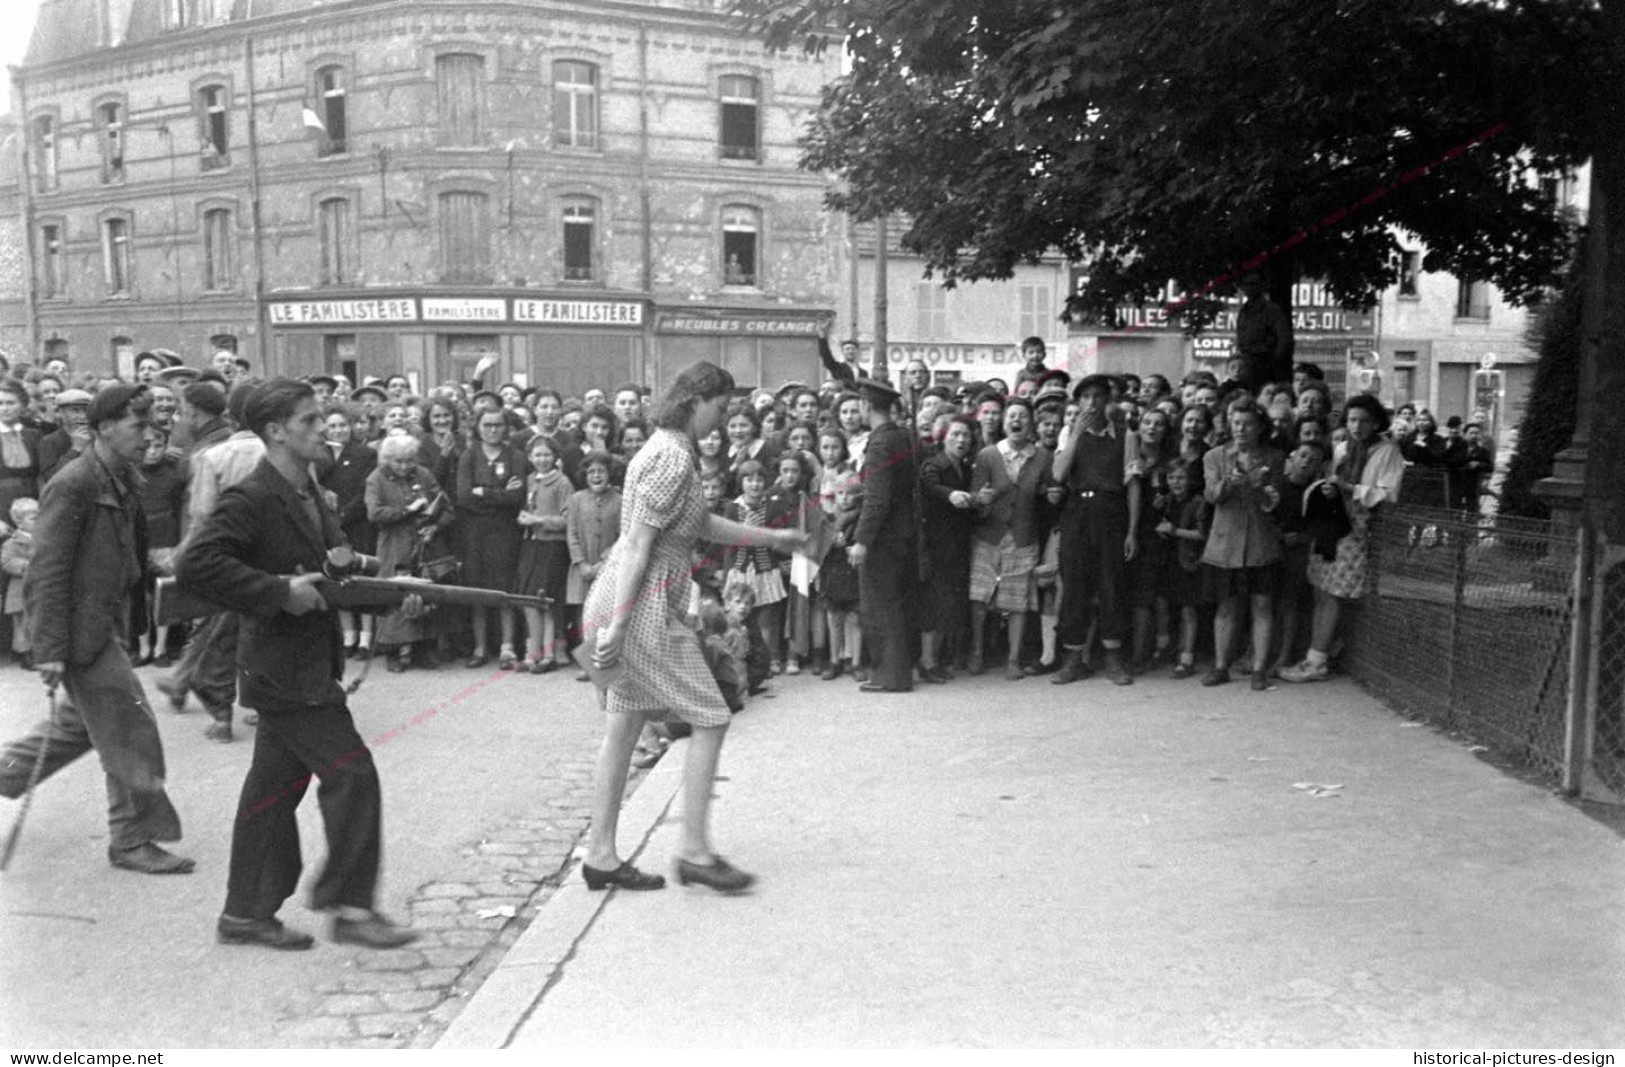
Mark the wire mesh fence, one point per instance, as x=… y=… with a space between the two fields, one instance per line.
x=1608 y=751
x=1468 y=627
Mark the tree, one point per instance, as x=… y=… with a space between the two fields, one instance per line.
x=1192 y=139
x=1547 y=424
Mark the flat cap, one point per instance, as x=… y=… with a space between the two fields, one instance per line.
x=109 y=401
x=1092 y=381
x=377 y=391
x=68 y=398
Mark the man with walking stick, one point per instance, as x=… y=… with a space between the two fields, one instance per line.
x=90 y=548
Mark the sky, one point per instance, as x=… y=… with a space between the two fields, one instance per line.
x=16 y=23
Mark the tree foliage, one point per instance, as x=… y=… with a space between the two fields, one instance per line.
x=1189 y=139
x=1548 y=422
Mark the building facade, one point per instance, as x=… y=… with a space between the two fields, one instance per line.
x=592 y=191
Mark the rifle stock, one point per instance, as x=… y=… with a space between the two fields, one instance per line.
x=174 y=604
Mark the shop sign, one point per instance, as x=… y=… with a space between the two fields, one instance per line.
x=741 y=324
x=315 y=312
x=579 y=312
x=1210 y=347
x=460 y=309
x=1314 y=311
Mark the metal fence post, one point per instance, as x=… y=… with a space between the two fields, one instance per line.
x=1577 y=719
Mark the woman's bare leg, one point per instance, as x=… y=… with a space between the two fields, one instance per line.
x=609 y=788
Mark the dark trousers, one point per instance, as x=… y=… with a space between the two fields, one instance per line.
x=886 y=581
x=290 y=747
x=105 y=709
x=1093 y=530
x=208 y=666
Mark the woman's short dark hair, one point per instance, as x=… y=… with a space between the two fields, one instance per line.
x=607 y=414
x=1371 y=406
x=634 y=423
x=537 y=394
x=598 y=458
x=441 y=402
x=744 y=408
x=749 y=467
x=694 y=384
x=16 y=389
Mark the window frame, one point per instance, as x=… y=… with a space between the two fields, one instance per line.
x=347 y=248
x=111 y=137
x=53 y=265
x=324 y=97
x=45 y=149
x=572 y=92
x=117 y=254
x=594 y=205
x=213 y=155
x=473 y=274
x=1410 y=274
x=725 y=101
x=1041 y=324
x=217 y=253
x=1467 y=308
x=751 y=279
x=931 y=311
x=449 y=134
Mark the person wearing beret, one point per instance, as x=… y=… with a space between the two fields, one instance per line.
x=886 y=541
x=1098 y=468
x=147 y=366
x=89 y=554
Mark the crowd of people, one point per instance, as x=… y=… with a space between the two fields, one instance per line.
x=519 y=489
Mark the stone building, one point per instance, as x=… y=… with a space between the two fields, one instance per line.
x=591 y=190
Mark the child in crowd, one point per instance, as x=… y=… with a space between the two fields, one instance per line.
x=15 y=553
x=757 y=567
x=544 y=557
x=785 y=504
x=1184 y=522
x=838 y=584
x=591 y=528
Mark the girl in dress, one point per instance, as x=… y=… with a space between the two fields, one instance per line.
x=15 y=553
x=757 y=568
x=838 y=584
x=353 y=462
x=1184 y=523
x=591 y=527
x=785 y=503
x=544 y=557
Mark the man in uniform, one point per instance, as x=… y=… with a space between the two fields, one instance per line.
x=885 y=545
x=260 y=554
x=90 y=551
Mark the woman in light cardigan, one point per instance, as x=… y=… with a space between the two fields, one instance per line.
x=1368 y=468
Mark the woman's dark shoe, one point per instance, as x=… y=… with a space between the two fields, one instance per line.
x=141 y=660
x=372 y=931
x=625 y=876
x=720 y=875
x=163 y=659
x=1184 y=670
x=543 y=666
x=478 y=659
x=1216 y=676
x=936 y=675
x=399 y=662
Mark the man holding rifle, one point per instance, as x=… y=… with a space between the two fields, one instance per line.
x=261 y=554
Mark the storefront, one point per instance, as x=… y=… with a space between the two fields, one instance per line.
x=758 y=347
x=569 y=343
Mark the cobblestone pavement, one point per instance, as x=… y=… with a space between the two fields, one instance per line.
x=486 y=782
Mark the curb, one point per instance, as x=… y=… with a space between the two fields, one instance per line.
x=497 y=1010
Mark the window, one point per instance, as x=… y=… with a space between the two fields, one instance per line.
x=580 y=226
x=931 y=311
x=460 y=79
x=116 y=255
x=50 y=247
x=217 y=258
x=1410 y=266
x=121 y=350
x=45 y=153
x=1404 y=377
x=741 y=228
x=334 y=225
x=213 y=128
x=179 y=14
x=740 y=139
x=330 y=86
x=465 y=236
x=575 y=104
x=110 y=117
x=1037 y=311
x=1472 y=300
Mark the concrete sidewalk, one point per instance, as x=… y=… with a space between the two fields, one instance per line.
x=988 y=864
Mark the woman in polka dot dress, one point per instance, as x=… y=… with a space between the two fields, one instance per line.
x=636 y=615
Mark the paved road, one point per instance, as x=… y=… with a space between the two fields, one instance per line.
x=483 y=800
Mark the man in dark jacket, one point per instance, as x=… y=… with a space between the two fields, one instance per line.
x=260 y=554
x=71 y=438
x=90 y=551
x=885 y=548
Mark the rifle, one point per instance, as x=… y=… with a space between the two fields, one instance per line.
x=175 y=604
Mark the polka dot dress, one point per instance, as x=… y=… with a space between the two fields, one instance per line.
x=665 y=673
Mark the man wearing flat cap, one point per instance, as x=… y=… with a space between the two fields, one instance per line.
x=885 y=544
x=1098 y=469
x=72 y=434
x=90 y=552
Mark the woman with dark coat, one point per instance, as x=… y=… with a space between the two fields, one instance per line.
x=19 y=447
x=490 y=496
x=346 y=478
x=950 y=521
x=407 y=507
